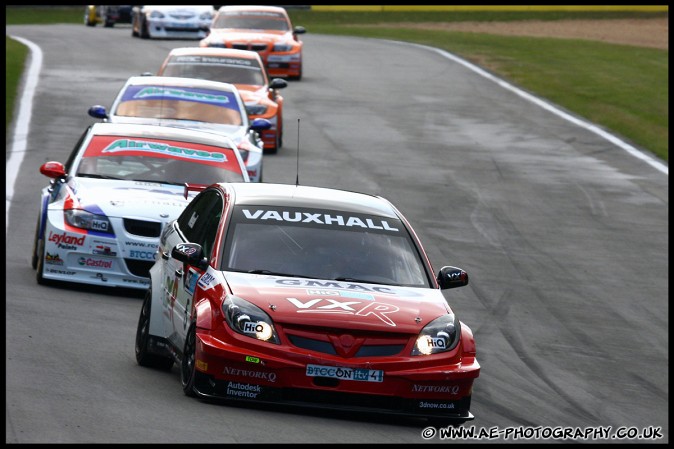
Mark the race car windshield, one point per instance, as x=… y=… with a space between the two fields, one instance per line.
x=216 y=72
x=180 y=103
x=252 y=21
x=322 y=244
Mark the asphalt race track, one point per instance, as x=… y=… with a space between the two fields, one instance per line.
x=565 y=237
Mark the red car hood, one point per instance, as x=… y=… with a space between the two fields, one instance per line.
x=350 y=305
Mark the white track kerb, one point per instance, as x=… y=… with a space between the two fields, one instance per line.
x=31 y=78
x=22 y=121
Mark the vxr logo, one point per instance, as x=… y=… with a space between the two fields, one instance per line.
x=377 y=309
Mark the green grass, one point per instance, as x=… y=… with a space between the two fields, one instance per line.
x=15 y=56
x=621 y=88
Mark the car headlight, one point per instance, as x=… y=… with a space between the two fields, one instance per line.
x=249 y=320
x=156 y=15
x=206 y=16
x=82 y=219
x=440 y=335
x=256 y=109
x=282 y=47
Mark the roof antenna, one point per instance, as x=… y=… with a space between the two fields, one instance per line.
x=297 y=178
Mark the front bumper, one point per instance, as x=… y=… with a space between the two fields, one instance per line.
x=400 y=387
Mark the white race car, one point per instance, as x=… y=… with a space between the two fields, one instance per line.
x=102 y=214
x=171 y=21
x=190 y=103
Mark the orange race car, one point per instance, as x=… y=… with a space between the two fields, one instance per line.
x=264 y=29
x=246 y=71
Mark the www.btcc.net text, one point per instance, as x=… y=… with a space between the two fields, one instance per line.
x=545 y=433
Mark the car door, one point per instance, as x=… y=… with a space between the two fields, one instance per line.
x=198 y=224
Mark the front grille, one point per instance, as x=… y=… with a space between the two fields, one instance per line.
x=142 y=228
x=312 y=345
x=372 y=346
x=139 y=267
x=254 y=47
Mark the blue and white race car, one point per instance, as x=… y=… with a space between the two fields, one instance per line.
x=190 y=103
x=103 y=212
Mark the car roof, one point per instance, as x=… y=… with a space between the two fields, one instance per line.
x=215 y=51
x=252 y=8
x=161 y=132
x=291 y=195
x=182 y=82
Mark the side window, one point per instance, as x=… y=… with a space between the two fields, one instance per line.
x=198 y=222
x=75 y=151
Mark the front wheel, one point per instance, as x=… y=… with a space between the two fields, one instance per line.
x=143 y=355
x=187 y=368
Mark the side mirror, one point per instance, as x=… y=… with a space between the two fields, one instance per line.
x=452 y=277
x=98 y=111
x=278 y=83
x=53 y=169
x=191 y=254
x=260 y=124
x=299 y=30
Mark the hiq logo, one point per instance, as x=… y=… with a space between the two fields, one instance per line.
x=252 y=328
x=436 y=342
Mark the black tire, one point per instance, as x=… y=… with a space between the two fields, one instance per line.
x=144 y=33
x=39 y=262
x=143 y=356
x=34 y=257
x=274 y=149
x=187 y=367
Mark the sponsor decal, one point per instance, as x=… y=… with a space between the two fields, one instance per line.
x=379 y=310
x=95 y=263
x=449 y=389
x=63 y=272
x=184 y=248
x=191 y=281
x=162 y=148
x=141 y=245
x=53 y=259
x=103 y=250
x=436 y=405
x=66 y=239
x=136 y=281
x=264 y=375
x=174 y=93
x=332 y=284
x=318 y=218
x=243 y=390
x=188 y=59
x=205 y=281
x=101 y=277
x=192 y=220
x=336 y=372
x=142 y=255
x=251 y=359
x=314 y=292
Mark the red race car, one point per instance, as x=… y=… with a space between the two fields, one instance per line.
x=244 y=69
x=264 y=29
x=306 y=296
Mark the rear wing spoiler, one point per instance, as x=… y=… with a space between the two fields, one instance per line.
x=193 y=188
